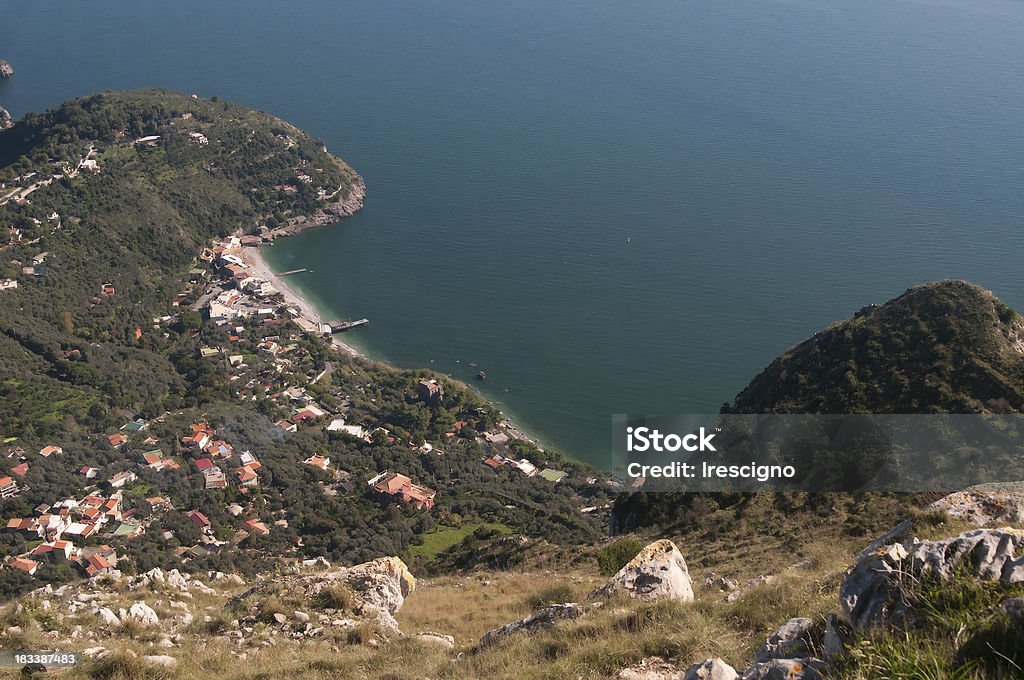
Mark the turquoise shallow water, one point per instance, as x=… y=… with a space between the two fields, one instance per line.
x=609 y=207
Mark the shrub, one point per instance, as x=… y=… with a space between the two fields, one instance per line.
x=554 y=595
x=617 y=555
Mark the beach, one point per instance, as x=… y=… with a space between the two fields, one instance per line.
x=308 y=313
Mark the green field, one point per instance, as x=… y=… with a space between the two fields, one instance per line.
x=436 y=542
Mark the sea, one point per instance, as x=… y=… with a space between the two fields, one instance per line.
x=606 y=206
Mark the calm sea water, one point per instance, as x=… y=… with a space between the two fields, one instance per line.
x=607 y=206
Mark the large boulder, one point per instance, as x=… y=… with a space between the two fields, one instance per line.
x=384 y=582
x=870 y=595
x=658 y=571
x=542 y=618
x=143 y=613
x=791 y=640
x=711 y=669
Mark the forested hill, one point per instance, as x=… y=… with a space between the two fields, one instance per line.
x=137 y=223
x=943 y=347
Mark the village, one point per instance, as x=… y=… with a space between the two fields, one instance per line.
x=265 y=353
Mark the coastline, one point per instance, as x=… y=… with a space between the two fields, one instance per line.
x=308 y=313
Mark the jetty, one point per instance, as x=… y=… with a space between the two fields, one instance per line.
x=342 y=325
x=293 y=271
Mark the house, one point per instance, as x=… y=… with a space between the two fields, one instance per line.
x=401 y=487
x=430 y=392
x=246 y=458
x=160 y=503
x=321 y=462
x=26 y=565
x=117 y=440
x=129 y=529
x=494 y=462
x=21 y=470
x=204 y=464
x=287 y=426
x=96 y=565
x=122 y=478
x=200 y=437
x=136 y=426
x=57 y=551
x=154 y=460
x=89 y=472
x=199 y=519
x=48 y=451
x=257 y=527
x=8 y=284
x=524 y=466
x=214 y=478
x=246 y=476
x=8 y=487
x=107 y=290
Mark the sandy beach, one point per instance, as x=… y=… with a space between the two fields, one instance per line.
x=307 y=311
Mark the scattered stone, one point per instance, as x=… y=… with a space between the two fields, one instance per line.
x=791 y=640
x=301 y=617
x=651 y=668
x=542 y=618
x=108 y=617
x=280 y=618
x=658 y=571
x=436 y=639
x=14 y=630
x=160 y=660
x=711 y=669
x=143 y=613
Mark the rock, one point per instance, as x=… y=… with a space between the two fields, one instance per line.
x=436 y=639
x=658 y=571
x=201 y=587
x=108 y=617
x=651 y=668
x=383 y=618
x=1014 y=608
x=165 y=643
x=155 y=575
x=93 y=652
x=384 y=582
x=720 y=583
x=837 y=635
x=177 y=580
x=787 y=669
x=161 y=660
x=870 y=594
x=711 y=669
x=542 y=618
x=791 y=640
x=301 y=617
x=985 y=504
x=280 y=618
x=143 y=613
x=14 y=630
x=6 y=70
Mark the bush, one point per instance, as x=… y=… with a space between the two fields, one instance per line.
x=617 y=555
x=554 y=595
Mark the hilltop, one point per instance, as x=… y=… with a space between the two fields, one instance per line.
x=943 y=347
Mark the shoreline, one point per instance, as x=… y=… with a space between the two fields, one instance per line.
x=307 y=310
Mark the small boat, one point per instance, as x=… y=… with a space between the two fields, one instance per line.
x=481 y=376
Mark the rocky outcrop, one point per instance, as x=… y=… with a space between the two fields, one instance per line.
x=658 y=571
x=540 y=619
x=985 y=504
x=348 y=206
x=6 y=70
x=791 y=640
x=870 y=595
x=5 y=119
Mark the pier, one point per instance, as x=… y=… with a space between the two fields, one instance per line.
x=293 y=271
x=342 y=325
